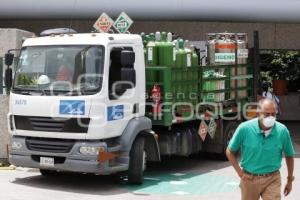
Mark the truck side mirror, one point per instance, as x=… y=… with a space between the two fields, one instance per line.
x=126 y=78
x=128 y=75
x=127 y=71
x=9 y=58
x=128 y=81
x=8 y=78
x=127 y=58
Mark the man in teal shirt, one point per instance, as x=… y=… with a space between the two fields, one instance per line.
x=262 y=141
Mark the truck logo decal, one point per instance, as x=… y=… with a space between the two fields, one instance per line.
x=115 y=112
x=20 y=102
x=72 y=107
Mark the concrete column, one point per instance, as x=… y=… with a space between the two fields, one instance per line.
x=4 y=135
x=9 y=39
x=1 y=77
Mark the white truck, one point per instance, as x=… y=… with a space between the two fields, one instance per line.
x=85 y=122
x=78 y=104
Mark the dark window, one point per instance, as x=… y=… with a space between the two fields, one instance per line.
x=115 y=89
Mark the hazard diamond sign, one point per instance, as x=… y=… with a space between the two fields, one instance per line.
x=202 y=131
x=123 y=23
x=212 y=127
x=103 y=23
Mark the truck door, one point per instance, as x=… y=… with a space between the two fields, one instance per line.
x=122 y=103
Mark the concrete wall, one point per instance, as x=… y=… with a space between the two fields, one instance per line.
x=9 y=39
x=272 y=35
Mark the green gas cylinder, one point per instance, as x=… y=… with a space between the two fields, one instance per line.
x=188 y=53
x=145 y=42
x=143 y=35
x=152 y=53
x=166 y=50
x=169 y=39
x=152 y=36
x=181 y=60
x=157 y=38
x=195 y=58
x=160 y=40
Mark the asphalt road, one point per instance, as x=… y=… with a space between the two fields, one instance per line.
x=176 y=178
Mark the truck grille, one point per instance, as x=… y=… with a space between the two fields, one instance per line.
x=49 y=124
x=49 y=145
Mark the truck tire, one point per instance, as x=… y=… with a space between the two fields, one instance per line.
x=46 y=172
x=137 y=162
x=229 y=129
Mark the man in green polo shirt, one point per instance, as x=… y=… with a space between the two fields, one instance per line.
x=261 y=142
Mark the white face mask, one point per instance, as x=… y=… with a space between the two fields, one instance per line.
x=269 y=121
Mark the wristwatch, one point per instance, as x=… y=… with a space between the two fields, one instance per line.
x=291 y=178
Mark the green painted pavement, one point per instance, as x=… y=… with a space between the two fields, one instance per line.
x=185 y=184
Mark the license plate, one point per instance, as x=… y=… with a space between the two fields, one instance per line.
x=47 y=162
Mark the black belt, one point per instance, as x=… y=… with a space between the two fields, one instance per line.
x=265 y=175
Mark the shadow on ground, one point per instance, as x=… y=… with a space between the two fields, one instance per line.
x=173 y=175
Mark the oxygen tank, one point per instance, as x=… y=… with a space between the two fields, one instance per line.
x=195 y=58
x=152 y=53
x=225 y=49
x=225 y=55
x=209 y=86
x=210 y=46
x=169 y=39
x=181 y=55
x=157 y=37
x=160 y=44
x=188 y=54
x=242 y=58
x=166 y=50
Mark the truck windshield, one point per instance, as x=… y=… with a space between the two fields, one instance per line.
x=59 y=70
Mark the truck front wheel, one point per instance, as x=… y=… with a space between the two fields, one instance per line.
x=137 y=161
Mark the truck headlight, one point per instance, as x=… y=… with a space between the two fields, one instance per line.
x=91 y=150
x=16 y=145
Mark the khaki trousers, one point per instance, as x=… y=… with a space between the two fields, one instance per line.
x=260 y=186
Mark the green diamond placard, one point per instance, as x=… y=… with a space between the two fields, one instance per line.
x=123 y=23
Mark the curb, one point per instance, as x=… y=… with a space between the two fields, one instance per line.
x=11 y=167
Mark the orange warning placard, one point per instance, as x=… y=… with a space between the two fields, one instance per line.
x=103 y=23
x=225 y=46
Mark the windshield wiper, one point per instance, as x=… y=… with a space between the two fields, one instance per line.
x=58 y=92
x=23 y=91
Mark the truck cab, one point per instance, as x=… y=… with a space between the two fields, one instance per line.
x=77 y=103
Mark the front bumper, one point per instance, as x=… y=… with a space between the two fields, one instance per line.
x=72 y=161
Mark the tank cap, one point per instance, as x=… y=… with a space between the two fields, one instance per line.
x=163 y=36
x=157 y=36
x=175 y=42
x=181 y=44
x=169 y=37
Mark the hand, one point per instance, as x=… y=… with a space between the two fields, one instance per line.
x=245 y=176
x=288 y=188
